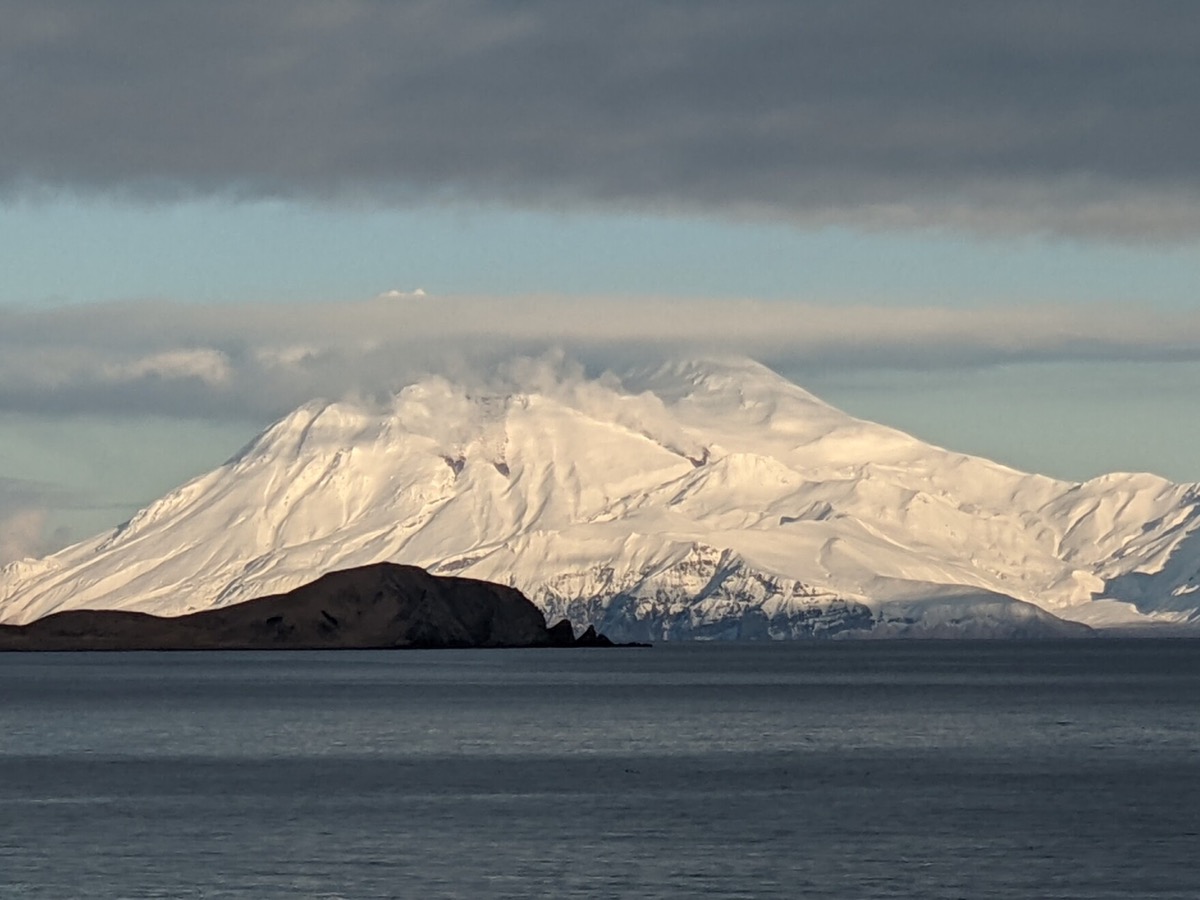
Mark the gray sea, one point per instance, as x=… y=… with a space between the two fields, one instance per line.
x=848 y=770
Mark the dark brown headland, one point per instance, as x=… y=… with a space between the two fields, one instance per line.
x=381 y=606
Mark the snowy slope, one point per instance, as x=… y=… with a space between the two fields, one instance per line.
x=701 y=499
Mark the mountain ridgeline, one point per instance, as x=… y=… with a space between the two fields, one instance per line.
x=711 y=500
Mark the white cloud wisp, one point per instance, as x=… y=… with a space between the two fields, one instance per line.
x=262 y=360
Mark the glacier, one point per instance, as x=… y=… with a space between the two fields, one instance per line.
x=708 y=499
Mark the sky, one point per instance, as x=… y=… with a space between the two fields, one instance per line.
x=979 y=223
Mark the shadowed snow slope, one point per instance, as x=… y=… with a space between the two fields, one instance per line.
x=700 y=499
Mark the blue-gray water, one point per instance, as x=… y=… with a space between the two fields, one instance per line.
x=931 y=770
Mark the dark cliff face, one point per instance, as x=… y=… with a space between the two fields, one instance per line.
x=378 y=606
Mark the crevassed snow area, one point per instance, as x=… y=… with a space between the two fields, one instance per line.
x=699 y=499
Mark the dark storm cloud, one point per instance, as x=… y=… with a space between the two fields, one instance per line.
x=1074 y=116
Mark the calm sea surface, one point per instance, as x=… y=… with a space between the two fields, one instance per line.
x=857 y=770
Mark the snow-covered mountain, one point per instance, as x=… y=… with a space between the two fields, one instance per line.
x=700 y=499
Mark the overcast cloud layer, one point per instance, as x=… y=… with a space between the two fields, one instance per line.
x=1077 y=116
x=225 y=362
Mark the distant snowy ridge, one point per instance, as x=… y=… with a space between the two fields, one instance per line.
x=695 y=500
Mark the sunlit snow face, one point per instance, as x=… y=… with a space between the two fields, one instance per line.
x=683 y=501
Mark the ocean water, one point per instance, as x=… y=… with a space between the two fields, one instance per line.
x=851 y=770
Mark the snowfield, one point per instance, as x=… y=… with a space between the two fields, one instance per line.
x=697 y=500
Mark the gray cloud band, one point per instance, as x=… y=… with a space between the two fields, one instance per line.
x=258 y=361
x=1076 y=116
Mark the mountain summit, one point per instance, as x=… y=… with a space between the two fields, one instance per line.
x=697 y=499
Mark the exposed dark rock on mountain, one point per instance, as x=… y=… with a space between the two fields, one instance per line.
x=377 y=606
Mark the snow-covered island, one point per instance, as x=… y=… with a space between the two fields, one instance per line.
x=694 y=500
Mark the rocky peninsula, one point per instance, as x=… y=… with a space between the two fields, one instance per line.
x=381 y=606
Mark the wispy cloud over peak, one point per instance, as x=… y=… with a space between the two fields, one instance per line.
x=263 y=360
x=204 y=364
